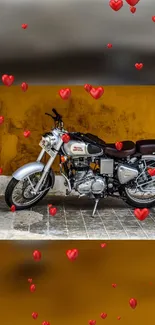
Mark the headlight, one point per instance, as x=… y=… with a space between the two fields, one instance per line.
x=49 y=140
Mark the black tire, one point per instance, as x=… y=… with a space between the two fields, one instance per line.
x=136 y=204
x=9 y=190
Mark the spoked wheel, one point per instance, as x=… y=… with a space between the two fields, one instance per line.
x=143 y=195
x=20 y=193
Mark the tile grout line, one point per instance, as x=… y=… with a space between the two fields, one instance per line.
x=121 y=223
x=103 y=224
x=87 y=234
x=66 y=223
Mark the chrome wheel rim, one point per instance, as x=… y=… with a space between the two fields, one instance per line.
x=21 y=195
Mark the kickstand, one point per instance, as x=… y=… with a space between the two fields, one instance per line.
x=95 y=207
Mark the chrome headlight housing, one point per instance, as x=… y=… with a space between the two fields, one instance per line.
x=49 y=140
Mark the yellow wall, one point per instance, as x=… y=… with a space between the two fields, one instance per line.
x=123 y=112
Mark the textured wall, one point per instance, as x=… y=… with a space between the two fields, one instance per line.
x=123 y=112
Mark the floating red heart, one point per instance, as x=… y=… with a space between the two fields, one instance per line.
x=103 y=315
x=53 y=211
x=109 y=46
x=92 y=322
x=65 y=93
x=141 y=214
x=1 y=119
x=133 y=303
x=45 y=323
x=133 y=10
x=151 y=171
x=114 y=285
x=96 y=93
x=24 y=26
x=87 y=87
x=65 y=138
x=139 y=66
x=49 y=206
x=72 y=254
x=1 y=171
x=27 y=133
x=119 y=317
x=132 y=2
x=116 y=4
x=24 y=86
x=37 y=255
x=32 y=287
x=34 y=315
x=29 y=280
x=7 y=80
x=153 y=19
x=13 y=208
x=103 y=245
x=119 y=146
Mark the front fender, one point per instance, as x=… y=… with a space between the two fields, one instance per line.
x=28 y=169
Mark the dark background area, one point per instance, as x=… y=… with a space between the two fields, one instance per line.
x=66 y=42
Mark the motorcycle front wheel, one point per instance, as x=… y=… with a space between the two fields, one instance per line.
x=19 y=193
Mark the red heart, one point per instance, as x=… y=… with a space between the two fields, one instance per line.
x=151 y=171
x=29 y=280
x=27 y=133
x=32 y=287
x=1 y=171
x=13 y=208
x=103 y=245
x=103 y=315
x=72 y=254
x=153 y=19
x=49 y=205
x=132 y=2
x=96 y=92
x=141 y=214
x=87 y=87
x=1 y=119
x=24 y=26
x=45 y=323
x=53 y=211
x=109 y=46
x=119 y=146
x=92 y=322
x=139 y=66
x=37 y=255
x=24 y=86
x=116 y=4
x=119 y=317
x=65 y=93
x=114 y=285
x=34 y=315
x=65 y=138
x=7 y=80
x=133 y=10
x=133 y=303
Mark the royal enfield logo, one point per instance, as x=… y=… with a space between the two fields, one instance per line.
x=77 y=149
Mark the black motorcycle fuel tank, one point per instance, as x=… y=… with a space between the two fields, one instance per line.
x=81 y=149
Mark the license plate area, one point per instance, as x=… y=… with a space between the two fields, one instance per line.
x=47 y=149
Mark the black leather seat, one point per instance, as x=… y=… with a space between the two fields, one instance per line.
x=129 y=149
x=145 y=147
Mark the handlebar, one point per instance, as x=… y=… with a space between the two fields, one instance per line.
x=57 y=118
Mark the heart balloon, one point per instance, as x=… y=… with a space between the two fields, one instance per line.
x=141 y=214
x=133 y=303
x=132 y=2
x=116 y=4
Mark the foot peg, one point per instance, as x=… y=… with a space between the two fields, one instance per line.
x=95 y=207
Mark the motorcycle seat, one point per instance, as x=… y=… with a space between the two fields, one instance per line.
x=145 y=147
x=129 y=149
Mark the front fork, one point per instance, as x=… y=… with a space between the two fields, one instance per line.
x=47 y=166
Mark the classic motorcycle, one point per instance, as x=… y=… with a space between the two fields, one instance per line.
x=89 y=166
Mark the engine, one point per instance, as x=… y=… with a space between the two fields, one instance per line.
x=86 y=181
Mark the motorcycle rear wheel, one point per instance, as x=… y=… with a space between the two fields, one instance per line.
x=9 y=193
x=139 y=202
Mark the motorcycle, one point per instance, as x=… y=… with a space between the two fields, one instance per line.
x=89 y=166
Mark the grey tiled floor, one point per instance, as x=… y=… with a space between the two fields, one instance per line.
x=114 y=220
